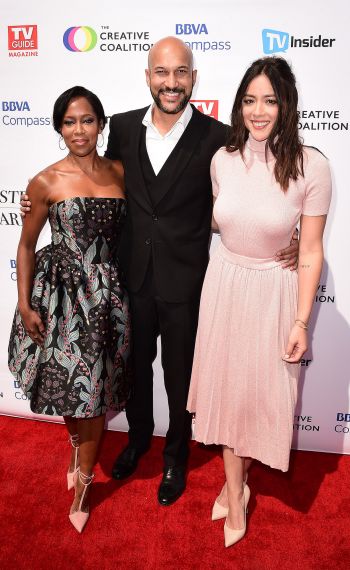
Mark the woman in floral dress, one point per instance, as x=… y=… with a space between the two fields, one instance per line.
x=69 y=345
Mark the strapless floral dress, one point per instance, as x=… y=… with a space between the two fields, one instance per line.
x=83 y=369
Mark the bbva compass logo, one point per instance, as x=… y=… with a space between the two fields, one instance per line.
x=275 y=41
x=80 y=38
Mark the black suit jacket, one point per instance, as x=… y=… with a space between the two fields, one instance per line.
x=174 y=232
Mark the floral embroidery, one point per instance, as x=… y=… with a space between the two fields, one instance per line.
x=83 y=368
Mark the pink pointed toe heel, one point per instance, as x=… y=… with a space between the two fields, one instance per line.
x=233 y=535
x=79 y=518
x=74 y=441
x=219 y=512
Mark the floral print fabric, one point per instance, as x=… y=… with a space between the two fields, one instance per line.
x=83 y=368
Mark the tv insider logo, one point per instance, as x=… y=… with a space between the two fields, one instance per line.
x=275 y=41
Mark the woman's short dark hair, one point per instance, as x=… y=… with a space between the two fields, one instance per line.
x=61 y=105
x=284 y=140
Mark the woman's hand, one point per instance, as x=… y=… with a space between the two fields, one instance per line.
x=297 y=344
x=33 y=325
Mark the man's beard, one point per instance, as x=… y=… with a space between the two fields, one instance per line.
x=179 y=108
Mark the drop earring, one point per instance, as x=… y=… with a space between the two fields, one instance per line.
x=103 y=141
x=59 y=143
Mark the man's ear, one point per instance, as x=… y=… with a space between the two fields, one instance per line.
x=148 y=81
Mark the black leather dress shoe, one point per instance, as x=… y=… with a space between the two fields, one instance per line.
x=126 y=462
x=172 y=486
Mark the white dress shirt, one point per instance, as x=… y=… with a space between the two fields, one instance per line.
x=160 y=146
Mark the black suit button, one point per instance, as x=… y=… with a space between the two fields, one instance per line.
x=148 y=241
x=155 y=217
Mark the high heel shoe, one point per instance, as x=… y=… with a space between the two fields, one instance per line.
x=74 y=441
x=219 y=512
x=80 y=518
x=233 y=535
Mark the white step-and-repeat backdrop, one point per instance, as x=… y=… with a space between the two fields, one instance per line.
x=48 y=47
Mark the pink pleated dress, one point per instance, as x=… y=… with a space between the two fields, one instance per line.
x=242 y=393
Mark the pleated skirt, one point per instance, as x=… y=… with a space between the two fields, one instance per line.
x=242 y=393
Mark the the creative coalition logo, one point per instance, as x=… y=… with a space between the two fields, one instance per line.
x=321 y=120
x=275 y=41
x=345 y=418
x=18 y=114
x=322 y=295
x=207 y=107
x=304 y=423
x=9 y=210
x=84 y=38
x=23 y=40
x=124 y=41
x=80 y=38
x=202 y=42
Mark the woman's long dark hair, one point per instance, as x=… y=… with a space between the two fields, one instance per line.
x=284 y=141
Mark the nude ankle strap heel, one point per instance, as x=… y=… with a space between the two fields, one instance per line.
x=80 y=518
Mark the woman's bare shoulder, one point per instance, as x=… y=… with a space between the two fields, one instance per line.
x=42 y=183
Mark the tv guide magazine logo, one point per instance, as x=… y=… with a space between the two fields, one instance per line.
x=23 y=40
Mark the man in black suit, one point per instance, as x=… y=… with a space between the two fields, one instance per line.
x=166 y=152
x=165 y=248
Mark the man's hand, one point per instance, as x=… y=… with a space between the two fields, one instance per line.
x=26 y=205
x=289 y=255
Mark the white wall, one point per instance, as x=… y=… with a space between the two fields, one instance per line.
x=114 y=70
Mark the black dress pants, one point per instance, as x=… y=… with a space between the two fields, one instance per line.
x=176 y=323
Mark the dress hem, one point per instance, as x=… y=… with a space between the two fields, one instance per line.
x=118 y=409
x=250 y=456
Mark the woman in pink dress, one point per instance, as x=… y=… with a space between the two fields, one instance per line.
x=254 y=316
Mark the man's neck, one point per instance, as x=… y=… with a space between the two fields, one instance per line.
x=164 y=121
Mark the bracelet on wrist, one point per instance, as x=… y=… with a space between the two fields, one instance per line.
x=301 y=324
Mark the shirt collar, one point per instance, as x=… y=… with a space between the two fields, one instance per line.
x=183 y=120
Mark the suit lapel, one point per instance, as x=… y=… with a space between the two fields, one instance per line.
x=138 y=187
x=180 y=156
x=173 y=166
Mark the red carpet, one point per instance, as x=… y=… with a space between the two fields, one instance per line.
x=299 y=520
